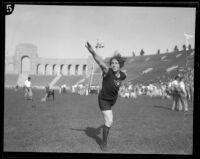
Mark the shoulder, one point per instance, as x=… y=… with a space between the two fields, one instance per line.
x=175 y=82
x=108 y=73
x=123 y=74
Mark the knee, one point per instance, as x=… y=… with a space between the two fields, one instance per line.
x=109 y=122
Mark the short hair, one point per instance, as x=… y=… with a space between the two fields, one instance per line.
x=176 y=77
x=119 y=58
x=181 y=78
x=29 y=78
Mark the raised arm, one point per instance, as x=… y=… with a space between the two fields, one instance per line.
x=97 y=58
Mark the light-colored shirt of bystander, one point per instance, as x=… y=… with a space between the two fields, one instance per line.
x=27 y=83
x=182 y=86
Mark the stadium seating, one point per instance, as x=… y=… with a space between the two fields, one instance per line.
x=159 y=66
x=41 y=80
x=139 y=69
x=156 y=64
x=69 y=80
x=96 y=79
x=11 y=79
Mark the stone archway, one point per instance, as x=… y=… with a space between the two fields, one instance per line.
x=25 y=65
x=56 y=69
x=69 y=69
x=48 y=69
x=40 y=69
x=63 y=69
x=76 y=69
x=26 y=60
x=84 y=71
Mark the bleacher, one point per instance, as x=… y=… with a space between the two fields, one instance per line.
x=135 y=67
x=41 y=80
x=158 y=64
x=68 y=80
x=10 y=79
x=96 y=79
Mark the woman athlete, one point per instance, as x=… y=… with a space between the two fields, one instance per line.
x=112 y=77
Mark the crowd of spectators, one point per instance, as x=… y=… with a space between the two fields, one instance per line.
x=155 y=88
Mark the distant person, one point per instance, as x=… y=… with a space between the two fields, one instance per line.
x=28 y=90
x=48 y=93
x=183 y=94
x=191 y=88
x=63 y=88
x=112 y=77
x=16 y=87
x=173 y=86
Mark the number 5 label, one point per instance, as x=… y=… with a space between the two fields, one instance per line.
x=8 y=9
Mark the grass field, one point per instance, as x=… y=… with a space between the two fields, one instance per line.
x=72 y=123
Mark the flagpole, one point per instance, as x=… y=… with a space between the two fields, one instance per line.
x=186 y=52
x=91 y=75
x=187 y=37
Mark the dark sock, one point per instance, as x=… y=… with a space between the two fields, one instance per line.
x=105 y=136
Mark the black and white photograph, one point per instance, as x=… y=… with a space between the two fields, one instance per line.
x=99 y=79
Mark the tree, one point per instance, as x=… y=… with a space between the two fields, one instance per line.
x=142 y=52
x=158 y=52
x=176 y=48
x=184 y=47
x=189 y=47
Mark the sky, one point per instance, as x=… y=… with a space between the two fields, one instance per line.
x=62 y=31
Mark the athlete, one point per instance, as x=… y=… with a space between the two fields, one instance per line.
x=112 y=78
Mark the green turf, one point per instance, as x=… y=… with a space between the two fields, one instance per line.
x=72 y=123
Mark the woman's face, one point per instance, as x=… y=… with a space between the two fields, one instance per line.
x=115 y=65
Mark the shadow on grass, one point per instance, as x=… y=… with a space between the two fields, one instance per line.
x=163 y=107
x=92 y=133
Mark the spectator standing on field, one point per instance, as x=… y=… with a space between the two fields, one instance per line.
x=28 y=90
x=173 y=91
x=183 y=94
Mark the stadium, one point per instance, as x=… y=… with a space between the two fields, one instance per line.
x=144 y=122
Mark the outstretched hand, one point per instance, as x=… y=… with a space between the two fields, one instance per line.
x=89 y=47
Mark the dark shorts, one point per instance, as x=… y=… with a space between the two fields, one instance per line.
x=105 y=104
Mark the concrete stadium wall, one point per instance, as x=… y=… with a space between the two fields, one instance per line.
x=26 y=60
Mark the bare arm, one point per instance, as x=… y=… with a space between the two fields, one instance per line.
x=97 y=58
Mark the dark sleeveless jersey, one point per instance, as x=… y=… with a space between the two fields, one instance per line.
x=111 y=85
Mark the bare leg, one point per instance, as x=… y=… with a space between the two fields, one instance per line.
x=30 y=94
x=108 y=117
x=185 y=103
x=179 y=104
x=174 y=103
x=26 y=93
